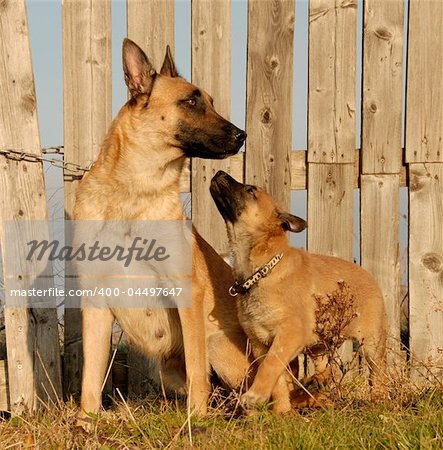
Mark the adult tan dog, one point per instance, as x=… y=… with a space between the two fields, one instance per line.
x=136 y=177
x=277 y=307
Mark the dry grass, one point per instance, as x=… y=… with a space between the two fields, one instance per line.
x=412 y=419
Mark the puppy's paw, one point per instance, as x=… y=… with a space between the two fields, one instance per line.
x=251 y=398
x=281 y=406
x=84 y=423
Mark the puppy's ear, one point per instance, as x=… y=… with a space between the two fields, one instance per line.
x=139 y=72
x=291 y=223
x=168 y=67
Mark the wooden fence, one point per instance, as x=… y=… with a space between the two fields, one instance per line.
x=330 y=169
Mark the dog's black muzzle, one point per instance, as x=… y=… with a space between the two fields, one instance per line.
x=218 y=142
x=228 y=195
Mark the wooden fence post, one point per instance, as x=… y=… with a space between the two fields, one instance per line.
x=382 y=154
x=269 y=97
x=331 y=129
x=31 y=334
x=211 y=70
x=151 y=26
x=4 y=387
x=424 y=153
x=87 y=100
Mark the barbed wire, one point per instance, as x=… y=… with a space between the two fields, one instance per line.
x=21 y=155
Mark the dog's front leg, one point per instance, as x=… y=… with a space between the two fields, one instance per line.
x=283 y=350
x=194 y=341
x=96 y=329
x=280 y=394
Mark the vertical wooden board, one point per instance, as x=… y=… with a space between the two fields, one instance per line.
x=87 y=94
x=151 y=26
x=382 y=86
x=4 y=394
x=382 y=154
x=380 y=246
x=330 y=209
x=269 y=96
x=87 y=101
x=331 y=218
x=424 y=115
x=22 y=197
x=426 y=269
x=211 y=71
x=331 y=129
x=332 y=59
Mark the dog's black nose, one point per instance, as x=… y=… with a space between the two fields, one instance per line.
x=239 y=136
x=219 y=174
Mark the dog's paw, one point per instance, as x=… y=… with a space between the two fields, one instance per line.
x=84 y=424
x=251 y=398
x=281 y=406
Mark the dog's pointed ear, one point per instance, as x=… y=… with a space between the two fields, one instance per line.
x=291 y=223
x=168 y=67
x=139 y=72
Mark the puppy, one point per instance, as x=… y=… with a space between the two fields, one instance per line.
x=278 y=287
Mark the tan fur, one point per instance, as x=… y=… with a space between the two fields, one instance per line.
x=136 y=177
x=278 y=313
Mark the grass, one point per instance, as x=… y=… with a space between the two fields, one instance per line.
x=413 y=421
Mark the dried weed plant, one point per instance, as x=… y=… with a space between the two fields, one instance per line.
x=334 y=312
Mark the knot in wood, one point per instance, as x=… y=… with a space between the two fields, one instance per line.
x=415 y=184
x=383 y=33
x=273 y=63
x=373 y=108
x=432 y=262
x=265 y=115
x=28 y=102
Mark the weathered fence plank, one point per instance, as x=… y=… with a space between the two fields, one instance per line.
x=426 y=269
x=87 y=100
x=151 y=26
x=382 y=153
x=331 y=126
x=330 y=209
x=380 y=246
x=211 y=48
x=424 y=152
x=31 y=334
x=382 y=86
x=424 y=130
x=4 y=388
x=269 y=96
x=330 y=218
x=332 y=56
x=331 y=130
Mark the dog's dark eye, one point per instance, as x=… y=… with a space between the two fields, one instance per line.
x=191 y=101
x=250 y=190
